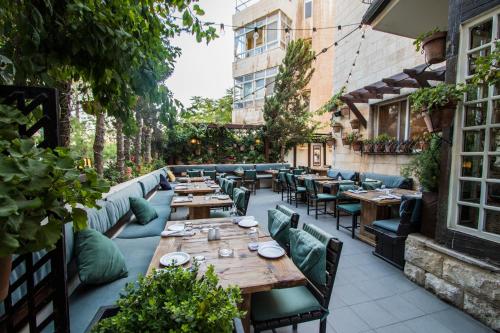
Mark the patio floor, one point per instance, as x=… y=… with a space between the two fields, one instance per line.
x=369 y=294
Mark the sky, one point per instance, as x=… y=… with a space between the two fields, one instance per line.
x=205 y=70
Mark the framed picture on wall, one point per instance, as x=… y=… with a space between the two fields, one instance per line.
x=316 y=155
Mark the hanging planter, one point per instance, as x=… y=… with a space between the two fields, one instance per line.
x=330 y=142
x=344 y=111
x=337 y=128
x=434 y=47
x=355 y=123
x=437 y=120
x=5 y=269
x=345 y=141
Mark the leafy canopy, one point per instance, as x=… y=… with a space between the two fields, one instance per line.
x=175 y=300
x=210 y=111
x=40 y=189
x=288 y=120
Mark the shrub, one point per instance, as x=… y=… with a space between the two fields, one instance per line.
x=425 y=166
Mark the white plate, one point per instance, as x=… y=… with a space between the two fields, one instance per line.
x=174 y=259
x=248 y=223
x=223 y=197
x=271 y=251
x=176 y=227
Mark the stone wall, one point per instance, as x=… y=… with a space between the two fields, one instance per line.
x=469 y=284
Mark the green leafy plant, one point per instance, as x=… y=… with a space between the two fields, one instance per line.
x=420 y=39
x=432 y=98
x=425 y=166
x=383 y=138
x=353 y=137
x=40 y=190
x=175 y=300
x=333 y=103
x=486 y=68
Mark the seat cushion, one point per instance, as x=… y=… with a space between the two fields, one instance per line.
x=309 y=255
x=98 y=258
x=85 y=301
x=278 y=225
x=219 y=213
x=144 y=212
x=326 y=197
x=120 y=203
x=231 y=177
x=301 y=189
x=265 y=176
x=161 y=198
x=390 y=224
x=148 y=184
x=97 y=218
x=352 y=209
x=137 y=230
x=280 y=303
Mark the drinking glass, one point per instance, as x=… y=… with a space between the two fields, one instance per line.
x=225 y=250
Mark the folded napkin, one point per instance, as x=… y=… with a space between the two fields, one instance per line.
x=357 y=191
x=383 y=197
x=183 y=199
x=214 y=186
x=176 y=233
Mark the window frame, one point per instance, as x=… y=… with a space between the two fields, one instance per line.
x=252 y=100
x=399 y=100
x=306 y=2
x=458 y=135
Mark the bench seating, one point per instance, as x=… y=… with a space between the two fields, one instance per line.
x=136 y=242
x=390 y=181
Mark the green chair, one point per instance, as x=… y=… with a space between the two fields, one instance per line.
x=194 y=173
x=241 y=199
x=313 y=197
x=292 y=306
x=299 y=172
x=229 y=188
x=293 y=190
x=283 y=184
x=250 y=179
x=350 y=208
x=210 y=173
x=278 y=229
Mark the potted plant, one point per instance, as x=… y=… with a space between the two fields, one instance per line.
x=406 y=146
x=379 y=143
x=354 y=123
x=353 y=139
x=425 y=166
x=368 y=146
x=433 y=44
x=38 y=185
x=174 y=300
x=437 y=104
x=391 y=145
x=336 y=127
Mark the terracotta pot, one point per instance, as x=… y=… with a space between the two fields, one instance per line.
x=434 y=47
x=356 y=146
x=5 y=269
x=355 y=123
x=390 y=147
x=345 y=142
x=345 y=111
x=429 y=216
x=368 y=147
x=439 y=119
x=379 y=147
x=337 y=128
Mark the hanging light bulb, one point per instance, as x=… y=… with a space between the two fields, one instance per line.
x=222 y=31
x=256 y=33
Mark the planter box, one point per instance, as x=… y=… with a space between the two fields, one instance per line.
x=434 y=47
x=357 y=146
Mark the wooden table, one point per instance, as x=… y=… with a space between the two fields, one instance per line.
x=372 y=209
x=314 y=177
x=196 y=189
x=199 y=207
x=322 y=170
x=193 y=179
x=246 y=269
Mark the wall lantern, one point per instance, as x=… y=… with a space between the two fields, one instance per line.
x=257 y=141
x=193 y=141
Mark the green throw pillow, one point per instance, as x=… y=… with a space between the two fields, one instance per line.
x=371 y=184
x=98 y=258
x=142 y=210
x=278 y=224
x=309 y=255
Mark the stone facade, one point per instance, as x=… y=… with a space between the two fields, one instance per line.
x=471 y=285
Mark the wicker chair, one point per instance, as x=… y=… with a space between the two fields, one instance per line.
x=305 y=303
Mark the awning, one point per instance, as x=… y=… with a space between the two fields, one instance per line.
x=417 y=77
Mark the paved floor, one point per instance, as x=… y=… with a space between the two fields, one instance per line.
x=370 y=295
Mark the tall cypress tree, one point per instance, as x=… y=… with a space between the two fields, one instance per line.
x=287 y=117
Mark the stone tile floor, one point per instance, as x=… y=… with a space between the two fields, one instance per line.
x=369 y=295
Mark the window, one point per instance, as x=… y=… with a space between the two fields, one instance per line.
x=251 y=89
x=396 y=120
x=261 y=35
x=308 y=9
x=475 y=201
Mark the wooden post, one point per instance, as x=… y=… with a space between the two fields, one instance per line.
x=309 y=155
x=294 y=156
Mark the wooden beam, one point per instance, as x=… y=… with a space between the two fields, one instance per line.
x=401 y=83
x=382 y=88
x=355 y=110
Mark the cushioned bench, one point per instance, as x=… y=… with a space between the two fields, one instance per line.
x=345 y=174
x=390 y=181
x=136 y=242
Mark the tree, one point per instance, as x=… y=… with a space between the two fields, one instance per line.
x=208 y=110
x=288 y=120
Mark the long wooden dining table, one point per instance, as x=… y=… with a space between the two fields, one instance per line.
x=199 y=206
x=198 y=188
x=245 y=269
x=374 y=209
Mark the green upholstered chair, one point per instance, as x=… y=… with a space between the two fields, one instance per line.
x=210 y=173
x=299 y=172
x=241 y=198
x=350 y=207
x=293 y=190
x=250 y=179
x=283 y=239
x=229 y=188
x=194 y=173
x=283 y=185
x=315 y=198
x=292 y=306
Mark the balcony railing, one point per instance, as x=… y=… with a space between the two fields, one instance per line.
x=244 y=4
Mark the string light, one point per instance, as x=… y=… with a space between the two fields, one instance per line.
x=356 y=57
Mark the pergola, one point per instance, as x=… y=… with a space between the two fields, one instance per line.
x=417 y=77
